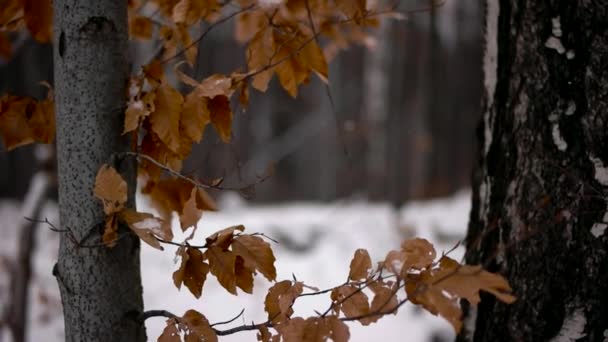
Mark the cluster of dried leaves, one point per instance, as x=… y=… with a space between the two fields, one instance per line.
x=410 y=274
x=291 y=39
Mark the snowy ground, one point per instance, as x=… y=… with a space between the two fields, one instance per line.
x=318 y=244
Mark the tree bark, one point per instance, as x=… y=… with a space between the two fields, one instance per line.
x=539 y=195
x=100 y=287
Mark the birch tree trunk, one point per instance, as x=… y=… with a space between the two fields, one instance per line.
x=100 y=287
x=539 y=199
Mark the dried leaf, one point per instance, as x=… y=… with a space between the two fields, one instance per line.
x=111 y=189
x=199 y=327
x=195 y=117
x=42 y=121
x=170 y=333
x=419 y=253
x=222 y=266
x=138 y=110
x=339 y=330
x=110 y=231
x=280 y=298
x=244 y=275
x=14 y=126
x=141 y=27
x=6 y=50
x=166 y=116
x=221 y=116
x=38 y=16
x=215 y=85
x=360 y=265
x=256 y=253
x=351 y=301
x=260 y=53
x=154 y=72
x=223 y=238
x=192 y=271
x=190 y=49
x=9 y=11
x=147 y=227
x=190 y=213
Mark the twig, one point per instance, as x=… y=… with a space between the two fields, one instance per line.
x=156 y=313
x=230 y=320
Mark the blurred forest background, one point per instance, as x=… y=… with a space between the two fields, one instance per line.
x=401 y=126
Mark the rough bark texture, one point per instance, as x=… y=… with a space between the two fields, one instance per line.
x=539 y=199
x=100 y=287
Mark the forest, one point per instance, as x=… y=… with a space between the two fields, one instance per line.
x=303 y=170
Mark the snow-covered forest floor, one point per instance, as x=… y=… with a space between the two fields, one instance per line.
x=317 y=242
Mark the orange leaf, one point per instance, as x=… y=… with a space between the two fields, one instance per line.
x=154 y=72
x=9 y=10
x=164 y=120
x=360 y=265
x=221 y=116
x=260 y=54
x=224 y=237
x=199 y=328
x=338 y=329
x=256 y=254
x=192 y=271
x=38 y=16
x=111 y=189
x=42 y=121
x=190 y=49
x=222 y=266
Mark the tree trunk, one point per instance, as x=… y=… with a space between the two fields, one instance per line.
x=100 y=287
x=539 y=196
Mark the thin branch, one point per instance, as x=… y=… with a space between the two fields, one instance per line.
x=209 y=28
x=156 y=313
x=230 y=320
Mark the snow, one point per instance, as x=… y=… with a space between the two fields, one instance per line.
x=327 y=236
x=555 y=44
x=490 y=60
x=558 y=140
x=601 y=171
x=573 y=327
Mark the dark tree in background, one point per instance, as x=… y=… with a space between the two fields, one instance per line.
x=539 y=195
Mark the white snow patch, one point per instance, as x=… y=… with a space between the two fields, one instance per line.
x=558 y=140
x=601 y=171
x=269 y=3
x=555 y=44
x=573 y=327
x=557 y=26
x=469 y=323
x=598 y=229
x=490 y=59
x=570 y=54
x=571 y=108
x=148 y=223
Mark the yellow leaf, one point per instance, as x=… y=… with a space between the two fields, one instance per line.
x=222 y=266
x=256 y=254
x=190 y=49
x=360 y=265
x=165 y=119
x=111 y=189
x=38 y=16
x=192 y=271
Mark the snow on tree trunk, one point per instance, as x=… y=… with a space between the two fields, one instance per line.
x=539 y=198
x=100 y=287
